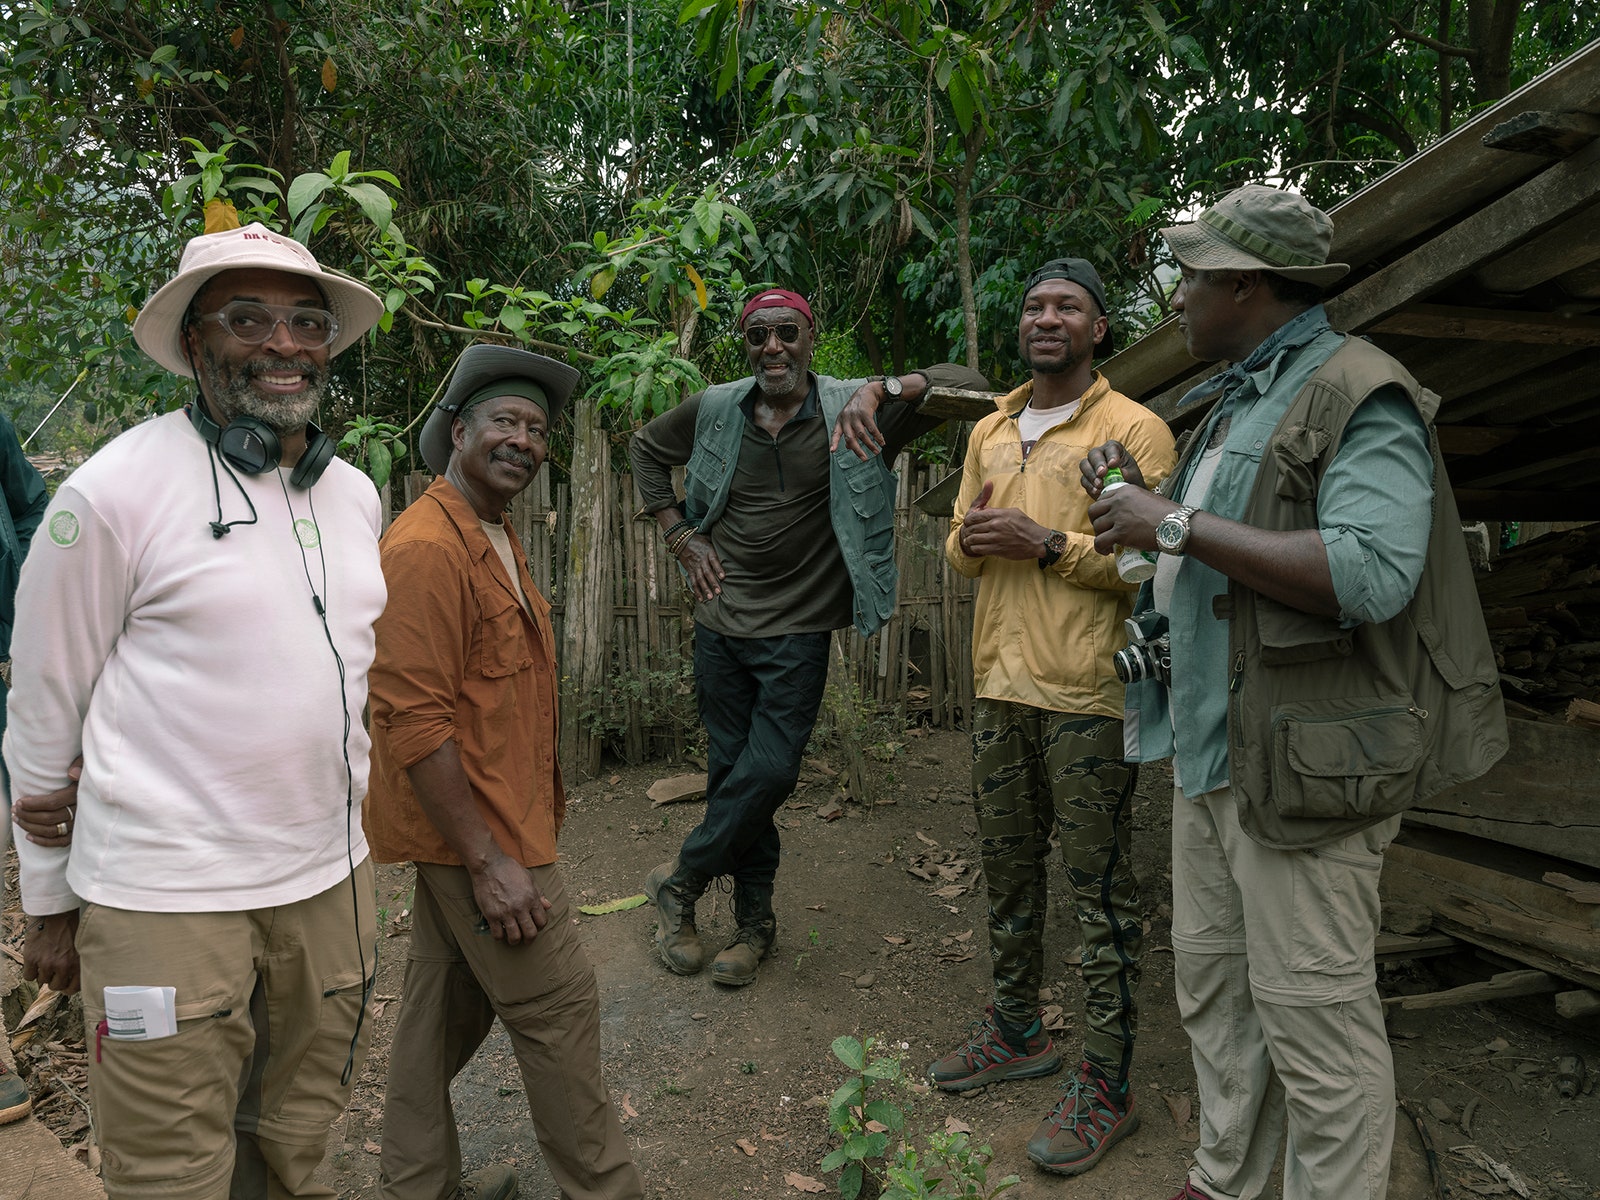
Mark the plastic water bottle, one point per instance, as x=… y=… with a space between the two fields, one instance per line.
x=1135 y=566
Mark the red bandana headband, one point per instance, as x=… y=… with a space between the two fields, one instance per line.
x=778 y=298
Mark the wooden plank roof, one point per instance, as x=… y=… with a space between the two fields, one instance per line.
x=1477 y=264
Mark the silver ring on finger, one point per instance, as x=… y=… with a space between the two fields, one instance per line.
x=61 y=829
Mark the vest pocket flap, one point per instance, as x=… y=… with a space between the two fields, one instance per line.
x=868 y=491
x=1288 y=635
x=1355 y=765
x=1381 y=742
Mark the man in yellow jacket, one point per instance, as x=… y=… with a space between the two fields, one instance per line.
x=1047 y=718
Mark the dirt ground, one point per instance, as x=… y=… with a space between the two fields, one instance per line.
x=723 y=1092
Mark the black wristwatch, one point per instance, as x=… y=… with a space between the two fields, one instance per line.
x=1055 y=545
x=892 y=387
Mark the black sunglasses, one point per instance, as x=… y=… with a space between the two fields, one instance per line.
x=788 y=333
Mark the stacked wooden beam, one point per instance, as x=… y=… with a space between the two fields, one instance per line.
x=1541 y=603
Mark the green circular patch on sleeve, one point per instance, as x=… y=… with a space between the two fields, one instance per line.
x=64 y=528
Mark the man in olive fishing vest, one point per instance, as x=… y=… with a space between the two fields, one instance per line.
x=1329 y=668
x=785 y=533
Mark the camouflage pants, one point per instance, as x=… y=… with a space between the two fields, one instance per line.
x=1032 y=768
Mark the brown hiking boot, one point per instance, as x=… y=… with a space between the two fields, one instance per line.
x=496 y=1182
x=758 y=930
x=674 y=893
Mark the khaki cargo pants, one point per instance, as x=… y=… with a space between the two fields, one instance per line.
x=239 y=1101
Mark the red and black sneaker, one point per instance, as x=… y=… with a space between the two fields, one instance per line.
x=1090 y=1118
x=988 y=1058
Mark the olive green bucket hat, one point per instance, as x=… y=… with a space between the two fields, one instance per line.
x=1259 y=228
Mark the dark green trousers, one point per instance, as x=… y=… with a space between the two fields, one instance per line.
x=1033 y=769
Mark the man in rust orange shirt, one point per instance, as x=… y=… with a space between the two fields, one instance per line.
x=465 y=784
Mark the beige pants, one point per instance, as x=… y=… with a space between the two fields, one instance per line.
x=458 y=979
x=1273 y=954
x=238 y=1102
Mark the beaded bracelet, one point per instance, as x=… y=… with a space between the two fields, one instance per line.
x=676 y=547
x=683 y=524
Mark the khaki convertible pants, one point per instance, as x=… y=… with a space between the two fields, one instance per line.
x=1273 y=956
x=238 y=1102
x=458 y=979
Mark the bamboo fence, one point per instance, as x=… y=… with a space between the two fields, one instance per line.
x=918 y=666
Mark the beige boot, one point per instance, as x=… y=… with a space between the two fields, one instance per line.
x=674 y=893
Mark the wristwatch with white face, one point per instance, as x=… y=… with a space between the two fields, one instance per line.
x=1172 y=532
x=892 y=386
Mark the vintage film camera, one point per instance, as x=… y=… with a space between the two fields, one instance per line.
x=1148 y=654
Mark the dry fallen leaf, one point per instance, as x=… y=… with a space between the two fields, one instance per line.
x=816 y=908
x=747 y=1146
x=1179 y=1106
x=803 y=1183
x=894 y=939
x=44 y=1003
x=925 y=839
x=627 y=1107
x=956 y=1125
x=371 y=1147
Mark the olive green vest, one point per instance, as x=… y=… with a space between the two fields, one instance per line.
x=860 y=501
x=1332 y=729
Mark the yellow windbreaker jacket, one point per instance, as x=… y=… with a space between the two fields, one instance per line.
x=1045 y=637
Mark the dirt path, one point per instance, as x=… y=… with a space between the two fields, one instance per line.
x=869 y=949
x=724 y=1092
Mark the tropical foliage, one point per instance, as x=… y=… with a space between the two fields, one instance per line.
x=604 y=180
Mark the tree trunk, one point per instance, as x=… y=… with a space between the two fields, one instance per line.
x=1491 y=29
x=585 y=652
x=969 y=296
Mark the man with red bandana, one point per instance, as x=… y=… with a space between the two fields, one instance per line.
x=785 y=533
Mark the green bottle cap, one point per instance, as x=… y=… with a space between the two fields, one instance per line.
x=1114 y=475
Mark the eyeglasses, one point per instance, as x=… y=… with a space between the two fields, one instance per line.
x=788 y=333
x=253 y=323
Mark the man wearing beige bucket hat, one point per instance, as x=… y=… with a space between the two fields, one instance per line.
x=465 y=785
x=1329 y=667
x=196 y=622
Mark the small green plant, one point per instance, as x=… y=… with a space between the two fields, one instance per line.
x=951 y=1168
x=853 y=1116
x=747 y=1068
x=813 y=940
x=963 y=1171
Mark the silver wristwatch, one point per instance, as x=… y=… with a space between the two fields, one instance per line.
x=892 y=387
x=1172 y=531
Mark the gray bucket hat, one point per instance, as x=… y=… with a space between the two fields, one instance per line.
x=477 y=368
x=1259 y=228
x=159 y=326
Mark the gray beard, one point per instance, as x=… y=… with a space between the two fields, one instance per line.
x=783 y=386
x=231 y=394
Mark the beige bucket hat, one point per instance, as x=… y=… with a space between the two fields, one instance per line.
x=159 y=327
x=477 y=368
x=1259 y=228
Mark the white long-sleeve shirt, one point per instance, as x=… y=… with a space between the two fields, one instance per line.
x=224 y=768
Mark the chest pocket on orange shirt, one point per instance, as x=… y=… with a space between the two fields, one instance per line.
x=503 y=640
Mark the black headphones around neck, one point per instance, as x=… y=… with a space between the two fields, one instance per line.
x=250 y=446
